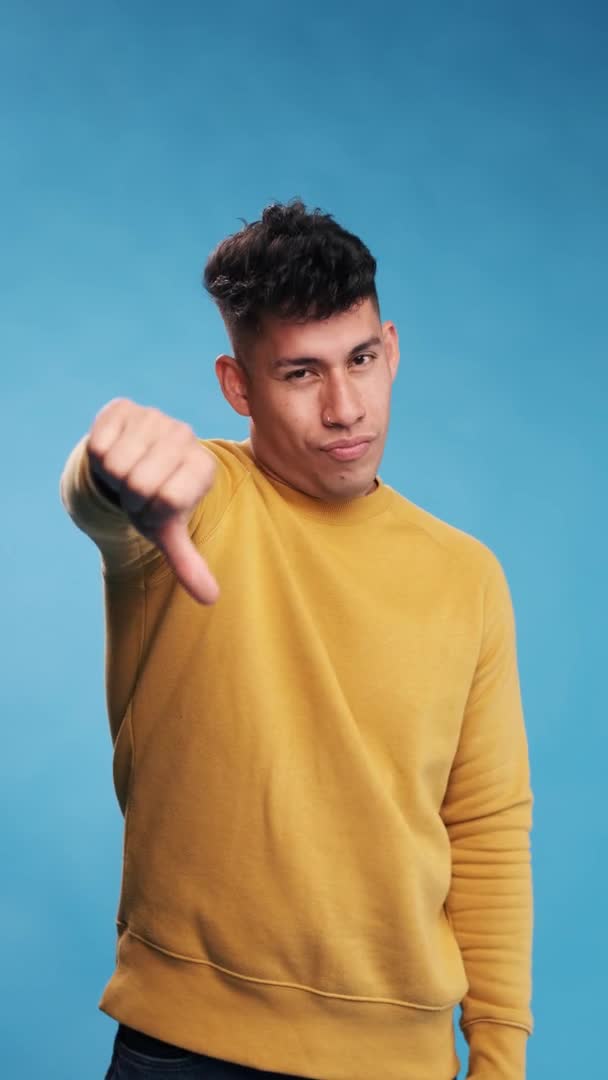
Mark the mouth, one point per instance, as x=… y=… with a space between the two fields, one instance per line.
x=348 y=449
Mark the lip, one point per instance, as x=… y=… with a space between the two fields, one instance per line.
x=347 y=449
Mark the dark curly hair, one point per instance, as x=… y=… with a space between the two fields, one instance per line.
x=292 y=263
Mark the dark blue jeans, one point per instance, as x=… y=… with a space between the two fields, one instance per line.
x=140 y=1057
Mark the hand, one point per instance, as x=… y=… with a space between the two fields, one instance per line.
x=159 y=472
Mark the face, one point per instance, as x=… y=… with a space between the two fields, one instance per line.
x=311 y=385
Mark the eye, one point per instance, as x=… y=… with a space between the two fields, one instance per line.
x=298 y=371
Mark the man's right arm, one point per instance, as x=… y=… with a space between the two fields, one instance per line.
x=131 y=484
x=95 y=509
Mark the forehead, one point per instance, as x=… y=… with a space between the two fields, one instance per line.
x=322 y=338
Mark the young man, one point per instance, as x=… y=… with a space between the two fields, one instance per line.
x=313 y=694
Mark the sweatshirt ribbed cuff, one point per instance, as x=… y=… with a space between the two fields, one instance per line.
x=496 y=1051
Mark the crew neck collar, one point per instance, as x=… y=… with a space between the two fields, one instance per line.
x=333 y=512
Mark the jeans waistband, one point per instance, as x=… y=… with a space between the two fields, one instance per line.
x=147 y=1044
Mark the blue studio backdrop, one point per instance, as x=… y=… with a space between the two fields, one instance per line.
x=466 y=144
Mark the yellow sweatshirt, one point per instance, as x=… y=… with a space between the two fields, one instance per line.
x=325 y=783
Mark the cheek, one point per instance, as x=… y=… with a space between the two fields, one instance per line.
x=383 y=396
x=295 y=414
x=284 y=425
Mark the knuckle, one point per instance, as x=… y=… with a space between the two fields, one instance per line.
x=117 y=409
x=137 y=487
x=99 y=441
x=180 y=431
x=169 y=495
x=111 y=463
x=178 y=492
x=93 y=445
x=142 y=478
x=114 y=405
x=107 y=423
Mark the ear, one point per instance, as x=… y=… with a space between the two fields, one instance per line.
x=391 y=346
x=233 y=383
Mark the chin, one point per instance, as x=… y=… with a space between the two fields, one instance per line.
x=344 y=492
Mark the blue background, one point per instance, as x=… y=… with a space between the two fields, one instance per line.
x=466 y=144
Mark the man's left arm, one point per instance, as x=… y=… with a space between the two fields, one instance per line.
x=487 y=811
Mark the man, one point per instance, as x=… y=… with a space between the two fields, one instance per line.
x=313 y=694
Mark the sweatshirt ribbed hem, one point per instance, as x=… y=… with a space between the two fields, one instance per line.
x=276 y=1028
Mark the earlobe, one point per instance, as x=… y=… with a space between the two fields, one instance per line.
x=232 y=383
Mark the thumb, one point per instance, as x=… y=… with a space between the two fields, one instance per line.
x=187 y=563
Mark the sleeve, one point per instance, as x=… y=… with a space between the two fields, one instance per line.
x=124 y=551
x=488 y=815
x=126 y=554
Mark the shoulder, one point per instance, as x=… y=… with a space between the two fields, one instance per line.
x=230 y=456
x=230 y=477
x=448 y=542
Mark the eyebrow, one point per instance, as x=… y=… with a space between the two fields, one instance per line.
x=298 y=361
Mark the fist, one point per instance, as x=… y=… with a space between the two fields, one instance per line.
x=158 y=471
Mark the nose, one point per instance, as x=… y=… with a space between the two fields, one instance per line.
x=342 y=403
